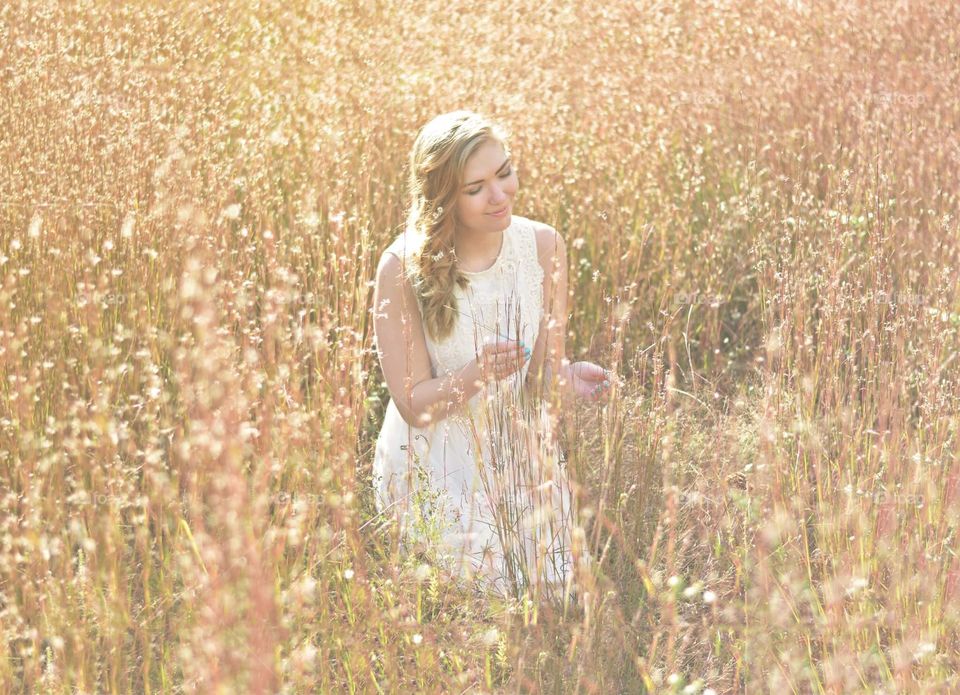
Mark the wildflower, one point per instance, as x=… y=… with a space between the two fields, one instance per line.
x=423 y=572
x=126 y=231
x=308 y=588
x=348 y=574
x=417 y=638
x=490 y=636
x=856 y=584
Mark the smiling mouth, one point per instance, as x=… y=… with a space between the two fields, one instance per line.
x=497 y=212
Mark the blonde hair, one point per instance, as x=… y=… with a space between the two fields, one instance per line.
x=437 y=163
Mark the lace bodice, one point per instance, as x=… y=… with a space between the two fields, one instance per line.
x=507 y=298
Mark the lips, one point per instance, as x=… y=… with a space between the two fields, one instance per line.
x=500 y=212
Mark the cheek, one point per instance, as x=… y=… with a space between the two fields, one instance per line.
x=470 y=205
x=474 y=204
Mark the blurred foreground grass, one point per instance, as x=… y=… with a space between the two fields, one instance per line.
x=760 y=206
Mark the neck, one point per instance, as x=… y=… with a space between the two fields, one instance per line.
x=474 y=248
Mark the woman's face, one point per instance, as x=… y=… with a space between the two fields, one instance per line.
x=490 y=182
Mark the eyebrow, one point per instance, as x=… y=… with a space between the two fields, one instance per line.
x=505 y=162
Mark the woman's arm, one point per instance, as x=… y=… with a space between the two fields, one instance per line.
x=549 y=368
x=550 y=371
x=402 y=349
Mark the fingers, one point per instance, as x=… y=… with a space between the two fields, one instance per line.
x=599 y=375
x=601 y=390
x=588 y=371
x=601 y=387
x=499 y=359
x=492 y=346
x=508 y=362
x=506 y=348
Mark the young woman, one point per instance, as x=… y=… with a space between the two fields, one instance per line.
x=470 y=314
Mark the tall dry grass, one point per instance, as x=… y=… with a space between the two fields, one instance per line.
x=760 y=206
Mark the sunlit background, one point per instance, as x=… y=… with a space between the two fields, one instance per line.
x=759 y=201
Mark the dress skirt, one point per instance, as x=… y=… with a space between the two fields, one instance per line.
x=483 y=488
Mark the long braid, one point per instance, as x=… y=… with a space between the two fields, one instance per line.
x=437 y=161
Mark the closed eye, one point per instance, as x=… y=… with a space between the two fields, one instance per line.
x=502 y=176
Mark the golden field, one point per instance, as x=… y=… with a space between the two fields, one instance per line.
x=760 y=205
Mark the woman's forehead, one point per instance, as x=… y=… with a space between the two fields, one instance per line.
x=485 y=159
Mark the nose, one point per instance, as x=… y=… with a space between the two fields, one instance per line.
x=498 y=195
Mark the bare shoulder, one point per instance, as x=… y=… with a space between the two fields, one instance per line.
x=398 y=257
x=402 y=247
x=549 y=241
x=395 y=268
x=391 y=263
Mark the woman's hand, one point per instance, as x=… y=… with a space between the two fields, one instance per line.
x=588 y=381
x=498 y=359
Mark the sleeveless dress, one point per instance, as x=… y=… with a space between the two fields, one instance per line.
x=486 y=485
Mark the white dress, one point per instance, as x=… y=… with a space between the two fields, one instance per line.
x=486 y=483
